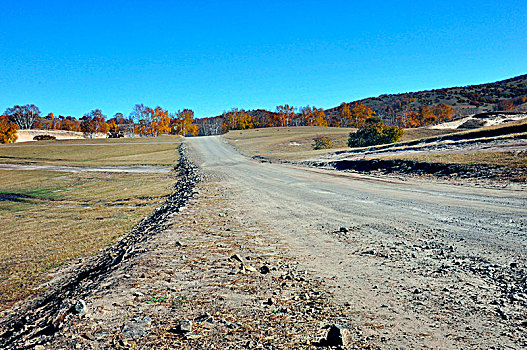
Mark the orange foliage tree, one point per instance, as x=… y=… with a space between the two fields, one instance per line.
x=160 y=121
x=182 y=123
x=8 y=130
x=237 y=120
x=359 y=113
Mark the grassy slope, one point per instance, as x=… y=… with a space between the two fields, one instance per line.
x=296 y=143
x=59 y=216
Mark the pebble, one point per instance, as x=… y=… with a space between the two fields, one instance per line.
x=264 y=269
x=80 y=307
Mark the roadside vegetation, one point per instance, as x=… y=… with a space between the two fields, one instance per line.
x=322 y=142
x=375 y=132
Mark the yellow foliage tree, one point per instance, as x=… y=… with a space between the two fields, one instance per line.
x=8 y=130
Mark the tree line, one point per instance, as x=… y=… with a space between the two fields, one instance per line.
x=347 y=115
x=143 y=121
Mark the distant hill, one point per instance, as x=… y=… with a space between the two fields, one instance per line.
x=501 y=95
x=505 y=95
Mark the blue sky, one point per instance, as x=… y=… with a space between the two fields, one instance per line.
x=69 y=57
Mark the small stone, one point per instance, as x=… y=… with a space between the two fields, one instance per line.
x=80 y=307
x=185 y=326
x=514 y=265
x=248 y=268
x=369 y=252
x=417 y=291
x=222 y=214
x=138 y=294
x=343 y=230
x=502 y=314
x=178 y=244
x=338 y=336
x=237 y=258
x=269 y=301
x=264 y=269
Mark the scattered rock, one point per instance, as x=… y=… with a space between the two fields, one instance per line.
x=137 y=328
x=247 y=267
x=337 y=336
x=222 y=214
x=237 y=258
x=343 y=230
x=206 y=317
x=264 y=269
x=183 y=327
x=503 y=315
x=269 y=301
x=79 y=307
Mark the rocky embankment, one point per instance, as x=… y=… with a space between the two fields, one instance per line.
x=33 y=321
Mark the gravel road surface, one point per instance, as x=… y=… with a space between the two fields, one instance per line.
x=419 y=264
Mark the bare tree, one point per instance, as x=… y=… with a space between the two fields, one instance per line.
x=23 y=116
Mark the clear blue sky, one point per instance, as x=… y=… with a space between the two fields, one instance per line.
x=69 y=57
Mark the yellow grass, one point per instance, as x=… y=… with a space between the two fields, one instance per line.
x=296 y=143
x=96 y=152
x=49 y=218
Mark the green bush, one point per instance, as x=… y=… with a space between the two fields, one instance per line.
x=44 y=137
x=375 y=134
x=322 y=142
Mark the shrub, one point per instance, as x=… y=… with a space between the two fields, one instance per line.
x=375 y=134
x=7 y=131
x=44 y=137
x=322 y=142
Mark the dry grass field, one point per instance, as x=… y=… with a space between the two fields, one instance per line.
x=50 y=217
x=94 y=152
x=296 y=143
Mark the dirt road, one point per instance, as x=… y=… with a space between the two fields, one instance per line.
x=263 y=256
x=419 y=264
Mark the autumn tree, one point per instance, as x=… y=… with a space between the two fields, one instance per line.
x=160 y=121
x=284 y=115
x=359 y=113
x=443 y=112
x=345 y=115
x=23 y=116
x=426 y=115
x=505 y=105
x=319 y=117
x=142 y=115
x=70 y=124
x=306 y=115
x=237 y=120
x=182 y=123
x=8 y=130
x=94 y=122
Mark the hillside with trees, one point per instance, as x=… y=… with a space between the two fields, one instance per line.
x=409 y=110
x=505 y=95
